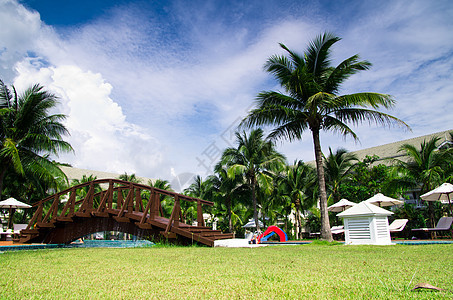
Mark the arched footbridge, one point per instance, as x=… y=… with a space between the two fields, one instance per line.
x=123 y=206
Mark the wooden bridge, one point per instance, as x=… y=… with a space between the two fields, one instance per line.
x=124 y=206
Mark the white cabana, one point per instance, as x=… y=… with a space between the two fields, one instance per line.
x=366 y=224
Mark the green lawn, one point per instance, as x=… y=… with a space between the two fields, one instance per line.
x=276 y=272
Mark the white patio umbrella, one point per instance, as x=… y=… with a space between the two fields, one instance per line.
x=382 y=200
x=12 y=203
x=251 y=224
x=341 y=205
x=443 y=193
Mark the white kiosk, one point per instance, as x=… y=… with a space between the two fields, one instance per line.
x=366 y=224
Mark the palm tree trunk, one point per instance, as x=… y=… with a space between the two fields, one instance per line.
x=299 y=223
x=2 y=176
x=230 y=222
x=255 y=211
x=326 y=234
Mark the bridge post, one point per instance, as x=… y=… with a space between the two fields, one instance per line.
x=138 y=201
x=119 y=202
x=110 y=198
x=153 y=199
x=200 y=220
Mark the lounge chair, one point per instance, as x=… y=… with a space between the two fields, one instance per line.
x=337 y=229
x=444 y=224
x=19 y=227
x=398 y=225
x=334 y=229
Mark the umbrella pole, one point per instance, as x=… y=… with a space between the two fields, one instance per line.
x=9 y=217
x=449 y=202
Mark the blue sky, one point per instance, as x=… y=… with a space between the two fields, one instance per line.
x=157 y=87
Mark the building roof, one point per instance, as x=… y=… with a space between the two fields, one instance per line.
x=388 y=151
x=75 y=173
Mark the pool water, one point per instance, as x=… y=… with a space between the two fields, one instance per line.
x=110 y=244
x=85 y=244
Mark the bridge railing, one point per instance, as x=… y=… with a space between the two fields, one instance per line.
x=120 y=199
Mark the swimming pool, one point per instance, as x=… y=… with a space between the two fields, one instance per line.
x=85 y=244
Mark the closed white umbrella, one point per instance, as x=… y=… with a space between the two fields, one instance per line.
x=251 y=224
x=341 y=205
x=382 y=200
x=443 y=193
x=12 y=203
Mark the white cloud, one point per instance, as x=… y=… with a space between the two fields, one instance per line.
x=143 y=98
x=100 y=134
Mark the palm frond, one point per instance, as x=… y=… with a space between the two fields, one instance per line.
x=360 y=115
x=318 y=53
x=336 y=125
x=343 y=71
x=292 y=130
x=375 y=100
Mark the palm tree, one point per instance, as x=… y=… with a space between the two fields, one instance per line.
x=253 y=159
x=298 y=185
x=29 y=134
x=424 y=167
x=131 y=178
x=337 y=167
x=225 y=189
x=198 y=188
x=166 y=201
x=312 y=102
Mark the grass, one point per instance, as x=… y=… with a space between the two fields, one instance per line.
x=275 y=272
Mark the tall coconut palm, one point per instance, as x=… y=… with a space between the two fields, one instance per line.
x=337 y=167
x=253 y=159
x=29 y=133
x=312 y=102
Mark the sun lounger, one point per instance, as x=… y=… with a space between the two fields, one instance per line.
x=444 y=224
x=397 y=226
x=19 y=227
x=17 y=230
x=337 y=229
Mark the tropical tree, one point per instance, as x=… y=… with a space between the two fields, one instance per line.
x=165 y=201
x=367 y=178
x=298 y=185
x=198 y=189
x=337 y=168
x=312 y=102
x=82 y=192
x=253 y=159
x=424 y=167
x=29 y=134
x=131 y=178
x=224 y=189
